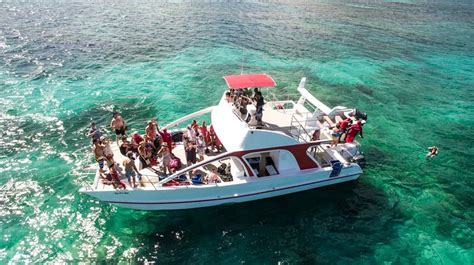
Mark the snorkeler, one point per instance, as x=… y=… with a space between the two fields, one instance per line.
x=432 y=152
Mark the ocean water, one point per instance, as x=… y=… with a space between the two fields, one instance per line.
x=409 y=65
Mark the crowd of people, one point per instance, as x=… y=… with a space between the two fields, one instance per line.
x=153 y=148
x=247 y=103
x=345 y=130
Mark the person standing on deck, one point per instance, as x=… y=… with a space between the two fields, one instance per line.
x=151 y=133
x=98 y=150
x=131 y=169
x=118 y=124
x=205 y=133
x=259 y=100
x=166 y=138
x=94 y=133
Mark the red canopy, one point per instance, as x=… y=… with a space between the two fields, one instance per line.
x=250 y=80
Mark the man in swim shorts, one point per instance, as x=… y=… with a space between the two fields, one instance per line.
x=118 y=124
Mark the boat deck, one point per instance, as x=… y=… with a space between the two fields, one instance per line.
x=295 y=122
x=150 y=175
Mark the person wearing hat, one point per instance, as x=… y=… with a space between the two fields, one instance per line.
x=131 y=169
x=165 y=154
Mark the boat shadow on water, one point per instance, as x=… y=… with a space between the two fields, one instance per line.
x=350 y=218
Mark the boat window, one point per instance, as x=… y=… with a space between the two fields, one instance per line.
x=263 y=164
x=319 y=154
x=224 y=170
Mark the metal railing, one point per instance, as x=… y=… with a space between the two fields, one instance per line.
x=299 y=128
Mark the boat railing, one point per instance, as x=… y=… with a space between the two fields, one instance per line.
x=82 y=179
x=299 y=128
x=188 y=117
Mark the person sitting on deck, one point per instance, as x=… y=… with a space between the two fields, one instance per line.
x=131 y=169
x=118 y=124
x=175 y=163
x=353 y=131
x=98 y=150
x=116 y=178
x=316 y=134
x=125 y=146
x=228 y=97
x=94 y=133
x=213 y=177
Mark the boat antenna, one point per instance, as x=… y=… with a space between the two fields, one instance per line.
x=242 y=65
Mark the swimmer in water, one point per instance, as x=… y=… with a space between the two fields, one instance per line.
x=432 y=152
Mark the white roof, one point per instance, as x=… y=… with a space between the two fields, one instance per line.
x=236 y=135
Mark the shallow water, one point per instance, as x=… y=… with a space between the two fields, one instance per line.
x=409 y=65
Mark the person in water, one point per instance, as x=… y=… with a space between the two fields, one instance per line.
x=118 y=124
x=432 y=151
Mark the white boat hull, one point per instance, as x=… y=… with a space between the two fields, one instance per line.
x=188 y=197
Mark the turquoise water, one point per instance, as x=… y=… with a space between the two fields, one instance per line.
x=409 y=65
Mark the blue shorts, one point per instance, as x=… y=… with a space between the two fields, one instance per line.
x=130 y=174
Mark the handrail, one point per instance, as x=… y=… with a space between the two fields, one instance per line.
x=300 y=126
x=188 y=117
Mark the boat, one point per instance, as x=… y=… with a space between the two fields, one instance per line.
x=277 y=155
